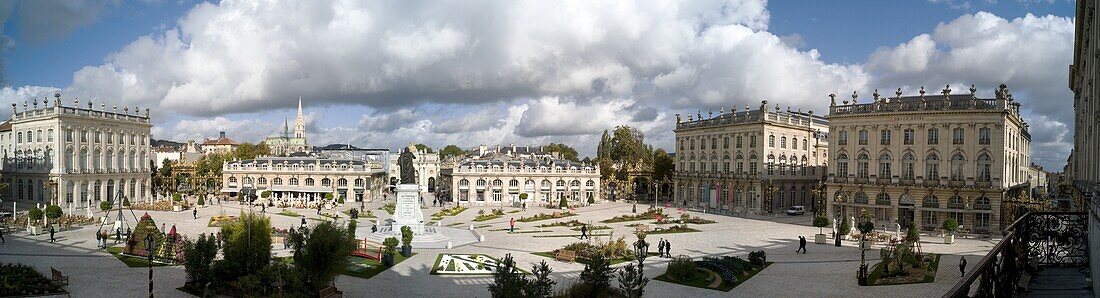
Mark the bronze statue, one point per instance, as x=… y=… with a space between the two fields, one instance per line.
x=405 y=161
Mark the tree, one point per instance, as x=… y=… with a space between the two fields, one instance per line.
x=34 y=213
x=820 y=221
x=663 y=165
x=597 y=275
x=104 y=205
x=247 y=247
x=323 y=254
x=632 y=281
x=53 y=212
x=198 y=255
x=606 y=167
x=913 y=235
x=603 y=149
x=541 y=285
x=845 y=227
x=423 y=147
x=452 y=151
x=950 y=225
x=865 y=225
x=507 y=281
x=562 y=203
x=563 y=150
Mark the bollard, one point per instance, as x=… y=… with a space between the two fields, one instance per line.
x=471 y=227
x=448 y=245
x=481 y=238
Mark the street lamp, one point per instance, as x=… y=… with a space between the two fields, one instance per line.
x=150 y=248
x=641 y=251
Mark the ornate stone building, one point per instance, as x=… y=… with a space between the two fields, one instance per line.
x=286 y=144
x=220 y=145
x=925 y=158
x=500 y=181
x=1083 y=170
x=752 y=161
x=74 y=156
x=305 y=179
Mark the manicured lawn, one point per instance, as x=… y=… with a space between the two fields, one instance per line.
x=570 y=235
x=702 y=276
x=874 y=278
x=672 y=231
x=358 y=266
x=449 y=212
x=590 y=228
x=132 y=261
x=485 y=217
x=542 y=216
x=289 y=213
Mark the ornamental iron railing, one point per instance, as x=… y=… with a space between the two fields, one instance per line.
x=1035 y=239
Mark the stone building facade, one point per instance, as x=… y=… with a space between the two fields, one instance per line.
x=286 y=144
x=426 y=165
x=921 y=159
x=305 y=179
x=75 y=156
x=500 y=182
x=1083 y=170
x=750 y=162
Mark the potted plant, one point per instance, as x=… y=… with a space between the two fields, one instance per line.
x=820 y=221
x=865 y=226
x=53 y=212
x=562 y=204
x=843 y=230
x=33 y=215
x=388 y=251
x=950 y=225
x=406 y=241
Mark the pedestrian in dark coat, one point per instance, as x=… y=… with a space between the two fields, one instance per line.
x=801 y=245
x=661 y=247
x=584 y=231
x=195 y=213
x=668 y=249
x=962 y=266
x=51 y=235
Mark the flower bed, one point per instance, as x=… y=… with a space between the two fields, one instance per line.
x=449 y=212
x=221 y=220
x=715 y=273
x=672 y=230
x=925 y=273
x=158 y=205
x=571 y=223
x=543 y=216
x=648 y=215
x=389 y=207
x=482 y=216
x=23 y=280
x=617 y=251
x=465 y=264
x=686 y=219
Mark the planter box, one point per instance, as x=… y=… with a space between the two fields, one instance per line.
x=177 y=208
x=948 y=239
x=865 y=244
x=819 y=238
x=34 y=230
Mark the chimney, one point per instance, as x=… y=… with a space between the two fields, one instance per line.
x=221 y=135
x=481 y=150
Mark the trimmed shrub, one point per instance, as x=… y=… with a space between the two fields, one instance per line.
x=104 y=205
x=681 y=269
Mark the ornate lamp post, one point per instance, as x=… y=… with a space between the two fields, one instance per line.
x=641 y=251
x=769 y=191
x=841 y=197
x=150 y=249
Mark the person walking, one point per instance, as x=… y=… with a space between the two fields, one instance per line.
x=263 y=208
x=2 y=236
x=584 y=231
x=51 y=235
x=962 y=266
x=801 y=245
x=668 y=249
x=195 y=213
x=512 y=224
x=661 y=247
x=374 y=228
x=98 y=240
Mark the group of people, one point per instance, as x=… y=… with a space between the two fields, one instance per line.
x=102 y=236
x=663 y=248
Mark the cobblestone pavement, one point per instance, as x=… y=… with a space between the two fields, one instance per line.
x=825 y=271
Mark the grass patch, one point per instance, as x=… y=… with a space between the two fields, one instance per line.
x=929 y=275
x=455 y=224
x=648 y=215
x=543 y=216
x=485 y=217
x=131 y=261
x=358 y=266
x=590 y=228
x=570 y=235
x=289 y=213
x=672 y=230
x=367 y=214
x=703 y=279
x=571 y=223
x=449 y=212
x=514 y=211
x=389 y=207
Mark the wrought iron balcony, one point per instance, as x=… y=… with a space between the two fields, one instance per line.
x=1037 y=239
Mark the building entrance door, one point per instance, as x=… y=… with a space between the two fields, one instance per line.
x=905 y=216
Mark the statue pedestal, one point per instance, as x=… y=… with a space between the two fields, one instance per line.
x=407 y=212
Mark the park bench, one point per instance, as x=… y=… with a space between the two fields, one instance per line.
x=566 y=255
x=330 y=292
x=59 y=278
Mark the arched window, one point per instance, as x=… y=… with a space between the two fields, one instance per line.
x=882 y=199
x=932 y=167
x=842 y=165
x=907 y=161
x=861 y=197
x=293 y=181
x=110 y=159
x=931 y=202
x=771 y=164
x=342 y=182
x=884 y=162
x=232 y=181
x=83 y=163
x=309 y=182
x=726 y=163
x=771 y=141
x=326 y=182
x=513 y=183
x=95 y=160
x=277 y=181
x=982 y=203
x=984 y=167
x=247 y=181
x=261 y=181
x=862 y=170
x=783 y=142
x=956 y=202
x=957 y=163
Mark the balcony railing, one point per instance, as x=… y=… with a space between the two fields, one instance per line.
x=1040 y=238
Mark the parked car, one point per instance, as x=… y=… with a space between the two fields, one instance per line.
x=796 y=210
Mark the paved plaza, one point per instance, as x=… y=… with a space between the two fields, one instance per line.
x=825 y=271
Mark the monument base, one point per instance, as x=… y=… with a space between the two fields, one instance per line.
x=407 y=212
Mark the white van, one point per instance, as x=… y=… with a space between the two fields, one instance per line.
x=796 y=210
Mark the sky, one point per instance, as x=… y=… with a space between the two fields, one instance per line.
x=382 y=74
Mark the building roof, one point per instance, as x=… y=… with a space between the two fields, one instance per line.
x=220 y=141
x=298 y=160
x=531 y=163
x=6 y=126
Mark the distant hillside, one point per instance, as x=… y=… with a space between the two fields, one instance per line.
x=165 y=143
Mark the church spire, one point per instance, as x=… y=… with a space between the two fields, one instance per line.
x=286 y=127
x=300 y=123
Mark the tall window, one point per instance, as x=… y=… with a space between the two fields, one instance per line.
x=957 y=136
x=862 y=165
x=693 y=144
x=752 y=164
x=842 y=165
x=984 y=165
x=804 y=146
x=884 y=162
x=885 y=140
x=725 y=142
x=752 y=141
x=908 y=137
x=783 y=142
x=907 y=161
x=771 y=164
x=863 y=137
x=794 y=143
x=713 y=143
x=771 y=141
x=957 y=163
x=932 y=167
x=49 y=135
x=983 y=136
x=738 y=141
x=933 y=136
x=842 y=138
